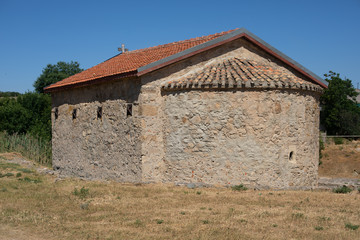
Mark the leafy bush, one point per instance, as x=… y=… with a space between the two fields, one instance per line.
x=28 y=113
x=9 y=94
x=159 y=221
x=343 y=189
x=6 y=175
x=30 y=180
x=82 y=193
x=240 y=187
x=351 y=226
x=340 y=113
x=338 y=141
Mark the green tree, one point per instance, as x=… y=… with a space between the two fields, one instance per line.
x=9 y=94
x=38 y=106
x=54 y=73
x=28 y=113
x=14 y=118
x=340 y=113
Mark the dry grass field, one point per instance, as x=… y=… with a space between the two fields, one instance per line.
x=341 y=161
x=34 y=206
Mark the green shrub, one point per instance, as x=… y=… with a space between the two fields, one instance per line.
x=27 y=179
x=297 y=215
x=239 y=188
x=343 y=189
x=351 y=226
x=82 y=193
x=6 y=175
x=319 y=228
x=338 y=141
x=159 y=221
x=138 y=223
x=25 y=170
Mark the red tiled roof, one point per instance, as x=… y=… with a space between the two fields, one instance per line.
x=240 y=73
x=128 y=62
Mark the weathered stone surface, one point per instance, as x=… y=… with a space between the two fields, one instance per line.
x=261 y=137
x=92 y=147
x=242 y=138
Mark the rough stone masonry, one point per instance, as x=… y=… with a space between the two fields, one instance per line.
x=233 y=114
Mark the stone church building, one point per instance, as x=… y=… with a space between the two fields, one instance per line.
x=220 y=109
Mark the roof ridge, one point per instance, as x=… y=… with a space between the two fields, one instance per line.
x=182 y=41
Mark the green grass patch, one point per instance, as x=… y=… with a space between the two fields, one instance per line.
x=30 y=180
x=239 y=187
x=7 y=165
x=338 y=141
x=25 y=170
x=82 y=193
x=159 y=221
x=343 y=189
x=351 y=226
x=6 y=175
x=34 y=148
x=319 y=228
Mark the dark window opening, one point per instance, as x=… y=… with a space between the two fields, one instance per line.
x=129 y=110
x=56 y=113
x=99 y=113
x=291 y=155
x=74 y=114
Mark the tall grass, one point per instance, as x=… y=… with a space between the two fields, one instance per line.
x=29 y=146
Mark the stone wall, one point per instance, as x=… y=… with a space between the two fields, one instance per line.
x=98 y=143
x=172 y=122
x=258 y=138
x=262 y=138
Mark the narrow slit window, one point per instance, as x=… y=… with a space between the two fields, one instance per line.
x=129 y=110
x=99 y=113
x=74 y=114
x=291 y=156
x=56 y=113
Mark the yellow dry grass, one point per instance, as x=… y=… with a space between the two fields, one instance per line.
x=35 y=206
x=341 y=161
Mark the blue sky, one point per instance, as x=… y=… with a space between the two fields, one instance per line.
x=321 y=35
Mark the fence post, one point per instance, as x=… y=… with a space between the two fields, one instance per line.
x=323 y=137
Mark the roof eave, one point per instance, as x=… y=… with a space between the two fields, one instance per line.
x=50 y=89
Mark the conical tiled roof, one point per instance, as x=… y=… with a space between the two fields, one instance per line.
x=240 y=73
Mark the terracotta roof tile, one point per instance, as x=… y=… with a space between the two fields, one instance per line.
x=239 y=73
x=129 y=62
